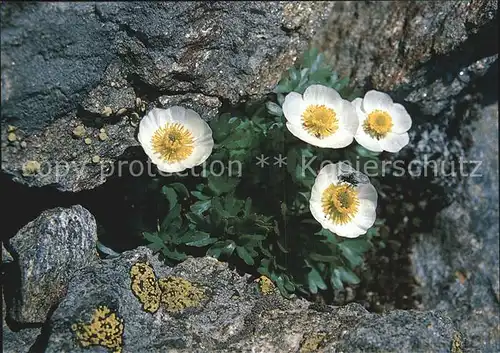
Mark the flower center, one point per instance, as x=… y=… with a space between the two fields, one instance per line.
x=378 y=124
x=320 y=121
x=340 y=203
x=173 y=142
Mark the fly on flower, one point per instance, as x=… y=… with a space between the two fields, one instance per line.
x=175 y=139
x=343 y=200
x=321 y=117
x=383 y=125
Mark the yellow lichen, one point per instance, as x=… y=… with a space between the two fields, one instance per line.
x=31 y=167
x=88 y=141
x=79 y=131
x=456 y=344
x=311 y=343
x=105 y=329
x=96 y=159
x=11 y=137
x=107 y=111
x=145 y=286
x=266 y=286
x=11 y=128
x=103 y=136
x=178 y=294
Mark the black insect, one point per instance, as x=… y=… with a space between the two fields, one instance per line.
x=354 y=178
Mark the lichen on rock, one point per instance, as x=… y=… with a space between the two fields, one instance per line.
x=104 y=329
x=145 y=286
x=178 y=294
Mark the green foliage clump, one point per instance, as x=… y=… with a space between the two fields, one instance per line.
x=257 y=215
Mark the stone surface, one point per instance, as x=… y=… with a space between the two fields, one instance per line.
x=19 y=341
x=457 y=265
x=235 y=316
x=46 y=253
x=65 y=65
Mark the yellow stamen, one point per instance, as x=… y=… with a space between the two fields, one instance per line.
x=340 y=203
x=173 y=142
x=378 y=124
x=320 y=121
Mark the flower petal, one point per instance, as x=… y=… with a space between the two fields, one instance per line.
x=367 y=141
x=318 y=94
x=367 y=192
x=293 y=107
x=366 y=215
x=394 y=142
x=349 y=230
x=400 y=118
x=300 y=133
x=349 y=119
x=375 y=100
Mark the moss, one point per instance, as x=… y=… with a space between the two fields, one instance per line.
x=266 y=286
x=456 y=343
x=311 y=343
x=145 y=286
x=31 y=168
x=178 y=294
x=104 y=329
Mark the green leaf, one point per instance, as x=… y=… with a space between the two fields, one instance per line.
x=200 y=196
x=171 y=196
x=222 y=184
x=280 y=98
x=174 y=213
x=174 y=255
x=348 y=276
x=315 y=281
x=335 y=280
x=354 y=258
x=180 y=189
x=108 y=251
x=192 y=236
x=248 y=206
x=322 y=258
x=202 y=242
x=274 y=109
x=200 y=206
x=244 y=255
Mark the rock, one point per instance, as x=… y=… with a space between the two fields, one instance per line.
x=207 y=107
x=19 y=341
x=46 y=253
x=6 y=256
x=207 y=307
x=458 y=264
x=67 y=65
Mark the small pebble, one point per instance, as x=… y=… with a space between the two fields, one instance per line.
x=103 y=136
x=88 y=141
x=102 y=130
x=121 y=111
x=12 y=137
x=96 y=159
x=24 y=144
x=107 y=112
x=138 y=102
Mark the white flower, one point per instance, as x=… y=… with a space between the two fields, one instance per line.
x=321 y=117
x=383 y=125
x=175 y=139
x=344 y=205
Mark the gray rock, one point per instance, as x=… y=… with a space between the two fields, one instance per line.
x=19 y=341
x=64 y=66
x=458 y=264
x=233 y=315
x=47 y=252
